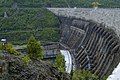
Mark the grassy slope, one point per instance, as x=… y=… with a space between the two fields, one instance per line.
x=24 y=22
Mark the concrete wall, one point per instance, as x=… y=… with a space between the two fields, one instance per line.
x=109 y=17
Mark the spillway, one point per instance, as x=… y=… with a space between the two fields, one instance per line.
x=96 y=47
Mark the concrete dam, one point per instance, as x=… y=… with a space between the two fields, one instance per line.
x=94 y=46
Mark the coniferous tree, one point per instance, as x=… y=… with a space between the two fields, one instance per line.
x=35 y=51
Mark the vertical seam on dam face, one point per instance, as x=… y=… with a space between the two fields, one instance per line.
x=96 y=47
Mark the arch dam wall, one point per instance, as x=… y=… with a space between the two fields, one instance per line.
x=109 y=17
x=91 y=42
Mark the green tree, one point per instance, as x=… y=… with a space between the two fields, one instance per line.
x=83 y=75
x=26 y=59
x=48 y=2
x=60 y=63
x=9 y=48
x=0 y=46
x=35 y=51
x=49 y=34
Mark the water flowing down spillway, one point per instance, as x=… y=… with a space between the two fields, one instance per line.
x=96 y=48
x=68 y=60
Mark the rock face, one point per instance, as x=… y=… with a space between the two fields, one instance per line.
x=96 y=47
x=35 y=70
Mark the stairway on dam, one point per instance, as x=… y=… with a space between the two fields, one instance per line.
x=97 y=48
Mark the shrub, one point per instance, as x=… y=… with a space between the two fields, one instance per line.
x=0 y=46
x=84 y=75
x=60 y=62
x=26 y=59
x=9 y=48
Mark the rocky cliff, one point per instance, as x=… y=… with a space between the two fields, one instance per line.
x=35 y=70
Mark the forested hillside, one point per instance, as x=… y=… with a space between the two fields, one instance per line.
x=17 y=25
x=61 y=3
x=19 y=19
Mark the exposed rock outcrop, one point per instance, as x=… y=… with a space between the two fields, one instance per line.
x=35 y=70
